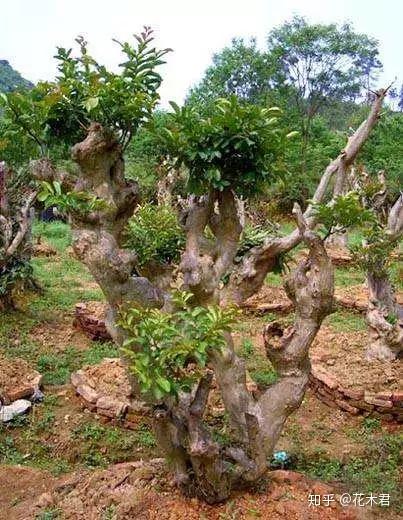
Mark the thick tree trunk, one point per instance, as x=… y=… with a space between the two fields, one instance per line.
x=201 y=465
x=384 y=318
x=97 y=235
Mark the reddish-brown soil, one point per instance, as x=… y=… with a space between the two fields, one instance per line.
x=144 y=490
x=56 y=335
x=343 y=356
x=274 y=299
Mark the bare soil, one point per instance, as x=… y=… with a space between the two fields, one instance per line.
x=342 y=354
x=143 y=490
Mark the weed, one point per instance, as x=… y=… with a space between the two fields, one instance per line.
x=145 y=437
x=264 y=377
x=247 y=348
x=52 y=513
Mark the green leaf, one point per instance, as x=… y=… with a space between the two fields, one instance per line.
x=91 y=103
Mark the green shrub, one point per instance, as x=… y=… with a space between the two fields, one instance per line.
x=160 y=346
x=154 y=234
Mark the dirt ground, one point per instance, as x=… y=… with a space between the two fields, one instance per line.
x=112 y=474
x=143 y=490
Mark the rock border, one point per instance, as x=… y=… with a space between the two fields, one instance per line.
x=23 y=392
x=126 y=411
x=384 y=405
x=93 y=326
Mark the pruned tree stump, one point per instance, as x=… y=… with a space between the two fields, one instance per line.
x=105 y=389
x=17 y=380
x=90 y=318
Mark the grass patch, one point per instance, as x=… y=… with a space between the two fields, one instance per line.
x=56 y=368
x=57 y=233
x=344 y=321
x=377 y=472
x=344 y=277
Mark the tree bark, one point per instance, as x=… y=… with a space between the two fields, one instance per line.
x=384 y=314
x=201 y=465
x=97 y=235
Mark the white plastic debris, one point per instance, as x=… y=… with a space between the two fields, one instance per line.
x=18 y=407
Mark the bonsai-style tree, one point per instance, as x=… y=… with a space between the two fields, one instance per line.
x=16 y=215
x=374 y=256
x=177 y=345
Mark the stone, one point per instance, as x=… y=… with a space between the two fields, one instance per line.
x=44 y=500
x=362 y=405
x=325 y=378
x=387 y=396
x=87 y=393
x=372 y=399
x=327 y=401
x=397 y=397
x=25 y=391
x=77 y=378
x=19 y=407
x=347 y=407
x=352 y=393
x=113 y=406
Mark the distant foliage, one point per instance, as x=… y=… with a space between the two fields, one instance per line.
x=154 y=234
x=384 y=150
x=167 y=351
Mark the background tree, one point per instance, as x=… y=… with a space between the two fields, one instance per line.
x=321 y=64
x=381 y=237
x=240 y=69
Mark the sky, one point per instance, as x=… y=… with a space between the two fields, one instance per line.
x=30 y=31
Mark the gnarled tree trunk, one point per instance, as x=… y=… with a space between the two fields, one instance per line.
x=201 y=465
x=97 y=236
x=16 y=218
x=385 y=315
x=248 y=277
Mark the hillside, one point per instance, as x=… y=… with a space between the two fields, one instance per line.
x=10 y=79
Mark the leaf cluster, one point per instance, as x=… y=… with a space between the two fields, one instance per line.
x=154 y=234
x=342 y=213
x=86 y=91
x=374 y=254
x=166 y=352
x=70 y=202
x=237 y=145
